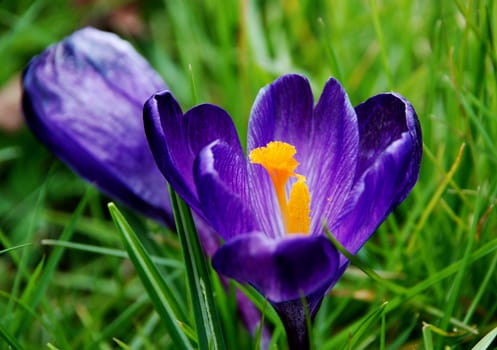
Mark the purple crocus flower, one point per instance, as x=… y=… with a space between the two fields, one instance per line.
x=307 y=165
x=83 y=98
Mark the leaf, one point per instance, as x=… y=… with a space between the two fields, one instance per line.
x=118 y=253
x=486 y=341
x=207 y=320
x=151 y=279
x=9 y=338
x=6 y=250
x=37 y=286
x=365 y=325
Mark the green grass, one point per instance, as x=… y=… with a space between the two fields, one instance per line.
x=66 y=282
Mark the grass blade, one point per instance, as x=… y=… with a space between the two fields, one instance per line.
x=3 y=251
x=207 y=320
x=454 y=292
x=354 y=260
x=118 y=253
x=150 y=277
x=486 y=341
x=365 y=325
x=9 y=339
x=32 y=300
x=427 y=337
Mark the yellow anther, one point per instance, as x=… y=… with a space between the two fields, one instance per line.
x=299 y=207
x=278 y=160
x=276 y=156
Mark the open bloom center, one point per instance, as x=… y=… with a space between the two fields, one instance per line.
x=278 y=159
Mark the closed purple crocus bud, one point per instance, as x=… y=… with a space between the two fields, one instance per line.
x=307 y=165
x=83 y=98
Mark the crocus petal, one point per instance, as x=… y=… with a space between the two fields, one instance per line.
x=264 y=201
x=282 y=112
x=387 y=169
x=176 y=139
x=82 y=98
x=281 y=270
x=382 y=119
x=160 y=109
x=331 y=161
x=326 y=140
x=221 y=180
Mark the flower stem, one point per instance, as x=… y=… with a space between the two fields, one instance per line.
x=294 y=319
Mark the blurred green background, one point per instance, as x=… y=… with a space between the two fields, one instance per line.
x=439 y=246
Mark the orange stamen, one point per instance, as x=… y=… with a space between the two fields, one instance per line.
x=299 y=207
x=278 y=160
